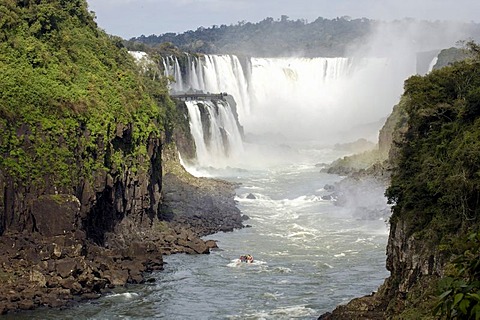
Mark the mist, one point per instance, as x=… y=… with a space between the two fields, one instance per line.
x=287 y=103
x=291 y=100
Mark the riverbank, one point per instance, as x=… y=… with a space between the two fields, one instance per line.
x=58 y=265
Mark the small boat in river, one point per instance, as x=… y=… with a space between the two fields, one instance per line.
x=247 y=258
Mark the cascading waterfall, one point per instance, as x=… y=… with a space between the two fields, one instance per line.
x=215 y=131
x=297 y=98
x=172 y=68
x=432 y=63
x=310 y=254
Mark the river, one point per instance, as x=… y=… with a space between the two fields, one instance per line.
x=310 y=255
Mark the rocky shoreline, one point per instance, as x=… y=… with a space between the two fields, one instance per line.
x=58 y=265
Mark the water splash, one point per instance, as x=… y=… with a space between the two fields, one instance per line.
x=297 y=99
x=432 y=63
x=216 y=133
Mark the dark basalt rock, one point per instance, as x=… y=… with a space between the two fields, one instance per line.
x=54 y=215
x=206 y=206
x=329 y=187
x=365 y=308
x=57 y=248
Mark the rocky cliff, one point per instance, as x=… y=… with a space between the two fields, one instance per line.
x=434 y=192
x=88 y=199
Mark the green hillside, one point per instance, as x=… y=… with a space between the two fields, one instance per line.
x=65 y=86
x=435 y=192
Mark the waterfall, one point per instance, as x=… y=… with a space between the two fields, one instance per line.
x=297 y=98
x=216 y=133
x=171 y=68
x=432 y=63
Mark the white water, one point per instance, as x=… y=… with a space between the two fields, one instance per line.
x=310 y=256
x=432 y=63
x=298 y=98
x=218 y=149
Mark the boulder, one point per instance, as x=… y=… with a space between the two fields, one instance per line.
x=329 y=187
x=66 y=267
x=55 y=214
x=211 y=244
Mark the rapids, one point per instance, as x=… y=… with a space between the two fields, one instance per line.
x=310 y=255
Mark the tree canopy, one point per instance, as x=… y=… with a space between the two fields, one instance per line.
x=64 y=86
x=320 y=38
x=436 y=185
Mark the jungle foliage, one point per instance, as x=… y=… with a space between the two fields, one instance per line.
x=269 y=37
x=285 y=37
x=65 y=85
x=460 y=289
x=437 y=180
x=435 y=186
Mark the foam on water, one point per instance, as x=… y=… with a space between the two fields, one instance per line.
x=309 y=257
x=126 y=295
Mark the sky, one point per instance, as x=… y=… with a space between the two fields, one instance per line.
x=132 y=18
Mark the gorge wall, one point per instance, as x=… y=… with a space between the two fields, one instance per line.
x=435 y=216
x=91 y=190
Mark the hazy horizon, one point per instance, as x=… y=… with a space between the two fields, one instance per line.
x=132 y=18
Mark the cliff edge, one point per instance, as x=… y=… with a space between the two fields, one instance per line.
x=433 y=248
x=88 y=200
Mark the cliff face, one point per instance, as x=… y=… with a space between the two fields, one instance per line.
x=83 y=238
x=85 y=138
x=104 y=199
x=433 y=157
x=390 y=136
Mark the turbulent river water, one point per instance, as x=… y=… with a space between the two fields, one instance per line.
x=310 y=255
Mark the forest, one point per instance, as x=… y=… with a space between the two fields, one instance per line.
x=61 y=75
x=284 y=37
x=435 y=185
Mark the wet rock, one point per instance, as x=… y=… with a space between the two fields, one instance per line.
x=365 y=308
x=329 y=187
x=26 y=304
x=199 y=246
x=211 y=244
x=117 y=277
x=251 y=196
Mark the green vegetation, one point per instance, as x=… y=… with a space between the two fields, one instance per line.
x=435 y=185
x=356 y=162
x=269 y=37
x=437 y=180
x=284 y=37
x=460 y=289
x=68 y=90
